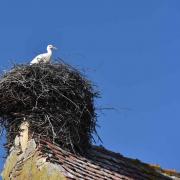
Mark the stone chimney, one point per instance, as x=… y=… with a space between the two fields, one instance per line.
x=51 y=102
x=25 y=161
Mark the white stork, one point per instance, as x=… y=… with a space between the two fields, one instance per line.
x=44 y=58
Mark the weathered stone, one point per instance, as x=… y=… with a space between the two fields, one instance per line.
x=25 y=166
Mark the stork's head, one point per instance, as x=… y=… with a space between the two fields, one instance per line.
x=51 y=47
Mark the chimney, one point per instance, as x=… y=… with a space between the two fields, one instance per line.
x=50 y=102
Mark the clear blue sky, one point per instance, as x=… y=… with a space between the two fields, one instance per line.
x=130 y=49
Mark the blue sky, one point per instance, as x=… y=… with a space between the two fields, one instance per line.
x=129 y=49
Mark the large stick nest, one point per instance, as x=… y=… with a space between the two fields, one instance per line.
x=56 y=100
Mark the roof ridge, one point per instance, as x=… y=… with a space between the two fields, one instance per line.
x=101 y=162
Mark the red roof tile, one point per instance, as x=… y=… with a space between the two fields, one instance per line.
x=99 y=164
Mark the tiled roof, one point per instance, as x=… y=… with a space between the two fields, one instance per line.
x=100 y=164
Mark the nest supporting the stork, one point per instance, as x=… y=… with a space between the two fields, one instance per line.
x=55 y=99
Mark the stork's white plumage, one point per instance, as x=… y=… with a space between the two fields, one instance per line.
x=44 y=58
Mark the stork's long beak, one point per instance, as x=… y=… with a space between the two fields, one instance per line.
x=55 y=48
